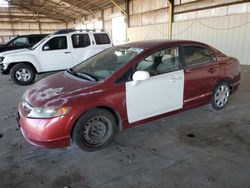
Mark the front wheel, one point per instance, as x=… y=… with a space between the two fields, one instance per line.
x=220 y=96
x=22 y=74
x=94 y=130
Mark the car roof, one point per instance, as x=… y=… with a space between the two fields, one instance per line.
x=75 y=31
x=148 y=44
x=31 y=35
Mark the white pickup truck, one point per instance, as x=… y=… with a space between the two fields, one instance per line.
x=58 y=51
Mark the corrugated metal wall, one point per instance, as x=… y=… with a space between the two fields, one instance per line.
x=16 y=21
x=154 y=31
x=226 y=27
x=230 y=34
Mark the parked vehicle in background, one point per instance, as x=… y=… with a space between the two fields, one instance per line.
x=22 y=41
x=59 y=51
x=122 y=87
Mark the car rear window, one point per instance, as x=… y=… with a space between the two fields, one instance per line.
x=80 y=40
x=101 y=38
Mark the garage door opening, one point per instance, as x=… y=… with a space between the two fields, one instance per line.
x=118 y=30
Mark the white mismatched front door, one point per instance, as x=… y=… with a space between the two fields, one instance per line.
x=154 y=96
x=56 y=60
x=56 y=54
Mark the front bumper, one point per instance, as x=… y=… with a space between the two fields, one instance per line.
x=47 y=133
x=2 y=70
x=50 y=144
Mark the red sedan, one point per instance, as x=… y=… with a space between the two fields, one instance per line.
x=125 y=86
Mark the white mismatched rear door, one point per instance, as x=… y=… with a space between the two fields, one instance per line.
x=81 y=47
x=155 y=96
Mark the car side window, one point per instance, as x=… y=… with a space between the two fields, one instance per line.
x=35 y=39
x=163 y=61
x=80 y=40
x=56 y=43
x=101 y=38
x=20 y=41
x=197 y=55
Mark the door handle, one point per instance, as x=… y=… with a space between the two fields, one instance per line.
x=211 y=70
x=67 y=52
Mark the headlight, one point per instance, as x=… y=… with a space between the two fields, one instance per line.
x=48 y=112
x=1 y=59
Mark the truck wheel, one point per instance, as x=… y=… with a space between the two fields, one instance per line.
x=22 y=74
x=220 y=96
x=94 y=130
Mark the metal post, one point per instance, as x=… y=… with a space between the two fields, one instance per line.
x=39 y=24
x=103 y=21
x=127 y=18
x=170 y=18
x=121 y=9
x=11 y=21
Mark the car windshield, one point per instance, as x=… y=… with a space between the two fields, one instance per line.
x=41 y=41
x=104 y=64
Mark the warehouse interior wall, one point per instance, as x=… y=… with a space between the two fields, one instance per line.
x=118 y=30
x=224 y=24
x=226 y=27
x=17 y=21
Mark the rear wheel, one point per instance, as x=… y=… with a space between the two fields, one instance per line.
x=94 y=130
x=22 y=74
x=220 y=96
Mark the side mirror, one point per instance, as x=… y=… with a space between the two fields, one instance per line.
x=139 y=76
x=46 y=47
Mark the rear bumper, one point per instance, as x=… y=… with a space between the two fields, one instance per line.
x=235 y=87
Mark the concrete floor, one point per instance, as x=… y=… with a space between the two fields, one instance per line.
x=194 y=149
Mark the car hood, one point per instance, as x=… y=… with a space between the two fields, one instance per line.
x=57 y=90
x=14 y=52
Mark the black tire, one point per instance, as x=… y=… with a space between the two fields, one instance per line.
x=220 y=96
x=22 y=74
x=94 y=130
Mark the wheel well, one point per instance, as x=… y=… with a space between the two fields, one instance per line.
x=25 y=62
x=229 y=83
x=115 y=114
x=111 y=110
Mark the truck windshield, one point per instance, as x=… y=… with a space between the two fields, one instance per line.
x=41 y=41
x=105 y=63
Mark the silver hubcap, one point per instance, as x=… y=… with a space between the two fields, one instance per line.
x=23 y=75
x=95 y=130
x=222 y=95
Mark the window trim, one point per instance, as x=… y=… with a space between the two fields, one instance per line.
x=56 y=49
x=130 y=74
x=197 y=65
